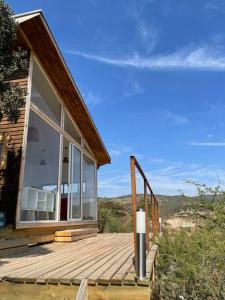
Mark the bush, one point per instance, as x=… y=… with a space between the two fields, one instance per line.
x=112 y=217
x=192 y=263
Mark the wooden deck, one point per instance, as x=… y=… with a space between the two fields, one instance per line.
x=106 y=259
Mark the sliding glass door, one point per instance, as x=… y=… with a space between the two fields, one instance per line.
x=88 y=194
x=70 y=182
x=75 y=190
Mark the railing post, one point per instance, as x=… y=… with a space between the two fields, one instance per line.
x=134 y=196
x=157 y=217
x=153 y=215
x=146 y=215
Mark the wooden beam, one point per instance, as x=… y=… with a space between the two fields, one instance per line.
x=146 y=215
x=134 y=196
x=153 y=216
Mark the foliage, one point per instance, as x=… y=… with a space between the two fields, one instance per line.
x=13 y=65
x=191 y=264
x=112 y=217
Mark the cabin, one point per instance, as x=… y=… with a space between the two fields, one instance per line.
x=48 y=192
x=50 y=157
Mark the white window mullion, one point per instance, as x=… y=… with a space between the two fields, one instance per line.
x=70 y=176
x=81 y=184
x=96 y=191
x=58 y=200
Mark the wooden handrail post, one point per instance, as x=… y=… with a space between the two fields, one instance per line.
x=153 y=215
x=146 y=215
x=134 y=196
x=157 y=217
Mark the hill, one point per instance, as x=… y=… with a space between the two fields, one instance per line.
x=169 y=205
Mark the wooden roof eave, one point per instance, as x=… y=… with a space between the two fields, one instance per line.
x=41 y=41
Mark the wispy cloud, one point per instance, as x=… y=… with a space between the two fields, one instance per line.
x=147 y=34
x=117 y=150
x=170 y=119
x=211 y=6
x=208 y=144
x=158 y=160
x=215 y=6
x=189 y=58
x=91 y=98
x=132 y=87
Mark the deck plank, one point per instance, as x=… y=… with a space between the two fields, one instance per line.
x=30 y=273
x=119 y=276
x=37 y=254
x=94 y=277
x=129 y=279
x=104 y=279
x=73 y=266
x=96 y=265
x=106 y=259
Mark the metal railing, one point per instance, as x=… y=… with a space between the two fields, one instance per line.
x=151 y=207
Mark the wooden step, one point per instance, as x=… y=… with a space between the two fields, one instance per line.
x=75 y=234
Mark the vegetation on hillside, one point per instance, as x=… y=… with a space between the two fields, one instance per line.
x=192 y=262
x=13 y=64
x=115 y=214
x=113 y=217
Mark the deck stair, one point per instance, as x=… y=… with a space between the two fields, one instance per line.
x=74 y=234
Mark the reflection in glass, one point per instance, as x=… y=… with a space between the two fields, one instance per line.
x=65 y=180
x=71 y=129
x=75 y=184
x=43 y=96
x=40 y=186
x=88 y=196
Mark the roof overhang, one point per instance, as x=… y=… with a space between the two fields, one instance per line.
x=39 y=38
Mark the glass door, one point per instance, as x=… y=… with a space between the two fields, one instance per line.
x=75 y=184
x=65 y=180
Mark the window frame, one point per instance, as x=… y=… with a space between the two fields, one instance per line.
x=95 y=186
x=60 y=129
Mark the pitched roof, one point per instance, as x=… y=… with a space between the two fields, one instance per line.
x=39 y=38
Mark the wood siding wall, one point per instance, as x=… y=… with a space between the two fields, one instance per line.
x=9 y=178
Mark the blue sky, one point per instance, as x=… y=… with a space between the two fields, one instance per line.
x=152 y=73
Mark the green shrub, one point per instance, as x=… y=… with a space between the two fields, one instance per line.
x=192 y=263
x=112 y=217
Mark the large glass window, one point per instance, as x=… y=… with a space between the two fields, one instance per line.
x=71 y=129
x=75 y=184
x=43 y=96
x=76 y=190
x=65 y=180
x=40 y=185
x=88 y=196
